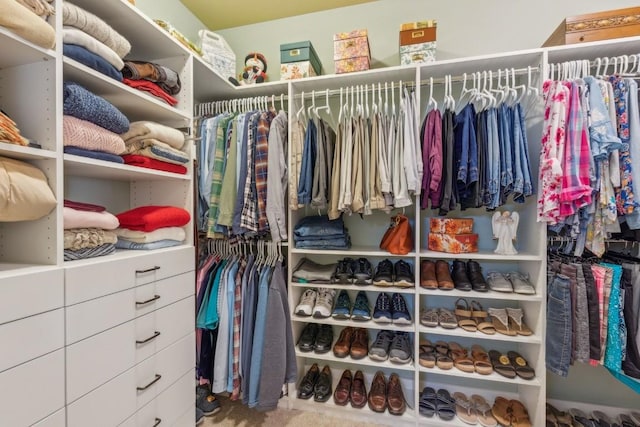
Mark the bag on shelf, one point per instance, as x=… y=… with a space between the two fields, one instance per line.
x=217 y=52
x=398 y=239
x=24 y=192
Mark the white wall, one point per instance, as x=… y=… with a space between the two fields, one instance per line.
x=175 y=12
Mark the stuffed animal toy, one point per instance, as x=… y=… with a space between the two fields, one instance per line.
x=255 y=70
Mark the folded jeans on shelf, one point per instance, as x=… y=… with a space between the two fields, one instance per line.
x=166 y=243
x=341 y=243
x=91 y=60
x=319 y=225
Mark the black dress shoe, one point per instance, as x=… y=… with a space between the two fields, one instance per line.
x=324 y=339
x=474 y=271
x=308 y=337
x=322 y=390
x=459 y=275
x=305 y=389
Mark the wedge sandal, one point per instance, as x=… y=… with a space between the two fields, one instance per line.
x=482 y=319
x=463 y=315
x=502 y=365
x=515 y=322
x=500 y=321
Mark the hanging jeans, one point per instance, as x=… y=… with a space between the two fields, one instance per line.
x=558 y=336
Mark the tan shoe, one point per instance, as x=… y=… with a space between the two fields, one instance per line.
x=342 y=347
x=378 y=393
x=395 y=397
x=443 y=275
x=428 y=278
x=360 y=343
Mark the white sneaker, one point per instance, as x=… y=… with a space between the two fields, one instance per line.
x=307 y=301
x=324 y=302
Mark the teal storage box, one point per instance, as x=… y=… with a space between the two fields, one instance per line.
x=298 y=52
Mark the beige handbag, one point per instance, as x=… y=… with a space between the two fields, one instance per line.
x=24 y=192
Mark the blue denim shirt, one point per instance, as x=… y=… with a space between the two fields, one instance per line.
x=604 y=137
x=305 y=185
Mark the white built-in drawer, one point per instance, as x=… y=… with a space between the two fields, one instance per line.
x=159 y=294
x=170 y=407
x=85 y=281
x=26 y=294
x=32 y=391
x=54 y=420
x=97 y=359
x=32 y=337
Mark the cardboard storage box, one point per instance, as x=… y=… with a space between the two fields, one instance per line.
x=299 y=52
x=351 y=51
x=451 y=225
x=453 y=243
x=418 y=42
x=590 y=27
x=297 y=70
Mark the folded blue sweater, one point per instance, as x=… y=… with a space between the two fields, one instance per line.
x=91 y=60
x=85 y=105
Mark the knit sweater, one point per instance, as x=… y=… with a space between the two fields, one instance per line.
x=84 y=134
x=150 y=218
x=71 y=35
x=85 y=105
x=145 y=130
x=26 y=24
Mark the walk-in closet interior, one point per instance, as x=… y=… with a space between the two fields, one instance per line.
x=188 y=238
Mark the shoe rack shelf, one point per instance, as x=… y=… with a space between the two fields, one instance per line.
x=370 y=324
x=366 y=288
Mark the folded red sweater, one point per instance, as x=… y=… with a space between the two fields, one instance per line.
x=149 y=218
x=152 y=88
x=148 y=162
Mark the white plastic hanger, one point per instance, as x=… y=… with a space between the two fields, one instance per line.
x=393 y=100
x=464 y=91
x=301 y=110
x=386 y=99
x=374 y=106
x=432 y=104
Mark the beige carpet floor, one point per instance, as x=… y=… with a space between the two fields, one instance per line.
x=238 y=415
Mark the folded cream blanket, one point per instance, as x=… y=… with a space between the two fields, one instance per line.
x=79 y=18
x=84 y=134
x=42 y=8
x=26 y=24
x=164 y=233
x=82 y=238
x=71 y=35
x=74 y=218
x=157 y=150
x=151 y=130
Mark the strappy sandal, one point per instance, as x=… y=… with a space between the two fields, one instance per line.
x=429 y=317
x=515 y=322
x=427 y=356
x=463 y=315
x=522 y=367
x=501 y=321
x=447 y=319
x=483 y=411
x=443 y=358
x=461 y=359
x=481 y=361
x=445 y=405
x=480 y=316
x=465 y=409
x=502 y=365
x=427 y=402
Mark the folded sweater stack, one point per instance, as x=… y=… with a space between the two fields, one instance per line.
x=88 y=231
x=21 y=17
x=155 y=146
x=92 y=42
x=160 y=81
x=91 y=125
x=152 y=227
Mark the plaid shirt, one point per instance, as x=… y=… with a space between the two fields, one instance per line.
x=217 y=175
x=261 y=167
x=249 y=217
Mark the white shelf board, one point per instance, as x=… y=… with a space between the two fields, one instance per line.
x=93 y=168
x=459 y=332
x=18 y=51
x=454 y=372
x=148 y=40
x=330 y=408
x=25 y=153
x=505 y=296
x=592 y=50
x=15 y=269
x=208 y=84
x=134 y=103
x=377 y=75
x=120 y=254
x=482 y=255
x=370 y=324
x=331 y=358
x=354 y=251
x=352 y=287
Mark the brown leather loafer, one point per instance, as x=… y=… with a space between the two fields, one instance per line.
x=395 y=397
x=343 y=389
x=443 y=275
x=360 y=344
x=428 y=278
x=378 y=394
x=343 y=345
x=358 y=394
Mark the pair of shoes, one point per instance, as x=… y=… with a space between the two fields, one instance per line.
x=391 y=310
x=387 y=395
x=317 y=338
x=434 y=317
x=316 y=302
x=352 y=342
x=558 y=418
x=351 y=270
x=435 y=275
x=206 y=401
x=511 y=365
x=440 y=403
x=359 y=311
x=468 y=276
x=509 y=321
x=351 y=389
x=473 y=410
x=472 y=317
x=510 y=412
x=510 y=282
x=316 y=384
x=447 y=355
x=395 y=346
x=399 y=275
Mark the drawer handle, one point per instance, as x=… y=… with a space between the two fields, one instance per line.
x=158 y=421
x=155 y=380
x=148 y=270
x=155 y=298
x=151 y=338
